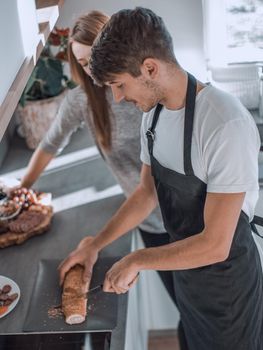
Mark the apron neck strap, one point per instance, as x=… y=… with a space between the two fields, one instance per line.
x=150 y=133
x=188 y=124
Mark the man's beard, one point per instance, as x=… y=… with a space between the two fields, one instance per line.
x=154 y=97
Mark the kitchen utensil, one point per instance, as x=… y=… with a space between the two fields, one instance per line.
x=94 y=289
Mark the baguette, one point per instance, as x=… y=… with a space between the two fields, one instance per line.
x=74 y=300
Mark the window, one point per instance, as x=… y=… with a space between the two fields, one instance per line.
x=233 y=37
x=233 y=31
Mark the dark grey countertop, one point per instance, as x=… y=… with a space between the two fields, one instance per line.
x=21 y=262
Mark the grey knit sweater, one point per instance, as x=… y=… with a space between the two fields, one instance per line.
x=124 y=158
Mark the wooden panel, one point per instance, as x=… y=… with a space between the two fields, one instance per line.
x=10 y=102
x=163 y=339
x=47 y=3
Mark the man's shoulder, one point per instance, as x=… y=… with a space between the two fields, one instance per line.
x=220 y=107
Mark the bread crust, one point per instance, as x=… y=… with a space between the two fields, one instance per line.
x=74 y=299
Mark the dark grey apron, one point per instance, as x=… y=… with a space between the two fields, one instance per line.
x=221 y=305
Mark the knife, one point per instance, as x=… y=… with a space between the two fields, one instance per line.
x=96 y=288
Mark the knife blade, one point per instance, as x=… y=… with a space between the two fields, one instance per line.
x=85 y=295
x=96 y=288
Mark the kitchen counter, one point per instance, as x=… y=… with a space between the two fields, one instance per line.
x=68 y=227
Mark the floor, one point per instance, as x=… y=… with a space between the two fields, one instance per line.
x=163 y=340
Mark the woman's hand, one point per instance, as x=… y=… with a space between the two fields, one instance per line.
x=86 y=254
x=122 y=276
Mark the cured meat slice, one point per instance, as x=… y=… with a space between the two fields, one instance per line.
x=74 y=299
x=26 y=221
x=21 y=230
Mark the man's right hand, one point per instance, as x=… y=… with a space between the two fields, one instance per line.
x=86 y=254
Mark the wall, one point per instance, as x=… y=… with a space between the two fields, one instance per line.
x=10 y=39
x=184 y=20
x=19 y=34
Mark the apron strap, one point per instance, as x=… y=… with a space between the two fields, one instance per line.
x=257 y=220
x=188 y=123
x=150 y=133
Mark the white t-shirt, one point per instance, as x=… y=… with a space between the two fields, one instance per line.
x=225 y=144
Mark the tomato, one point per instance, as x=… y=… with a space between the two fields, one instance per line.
x=3 y=309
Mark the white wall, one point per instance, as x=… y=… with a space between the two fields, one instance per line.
x=184 y=20
x=12 y=50
x=18 y=39
x=28 y=26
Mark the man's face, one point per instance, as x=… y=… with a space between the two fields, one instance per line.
x=143 y=92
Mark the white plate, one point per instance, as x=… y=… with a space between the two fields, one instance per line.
x=14 y=289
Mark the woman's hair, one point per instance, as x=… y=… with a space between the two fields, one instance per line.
x=84 y=31
x=128 y=38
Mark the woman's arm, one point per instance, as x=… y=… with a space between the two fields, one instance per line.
x=69 y=117
x=39 y=160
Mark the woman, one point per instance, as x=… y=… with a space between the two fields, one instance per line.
x=115 y=128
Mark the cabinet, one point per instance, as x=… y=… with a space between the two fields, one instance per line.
x=29 y=24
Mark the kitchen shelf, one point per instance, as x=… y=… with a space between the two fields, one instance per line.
x=47 y=12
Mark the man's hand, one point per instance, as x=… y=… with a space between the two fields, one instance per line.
x=86 y=254
x=122 y=276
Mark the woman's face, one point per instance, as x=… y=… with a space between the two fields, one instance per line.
x=82 y=54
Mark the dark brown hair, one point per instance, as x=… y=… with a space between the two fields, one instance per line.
x=129 y=37
x=84 y=31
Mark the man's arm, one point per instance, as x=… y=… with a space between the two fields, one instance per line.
x=132 y=212
x=210 y=246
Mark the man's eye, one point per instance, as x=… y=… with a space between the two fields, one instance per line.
x=119 y=86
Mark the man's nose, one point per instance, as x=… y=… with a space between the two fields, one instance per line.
x=117 y=94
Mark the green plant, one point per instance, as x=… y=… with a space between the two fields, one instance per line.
x=48 y=78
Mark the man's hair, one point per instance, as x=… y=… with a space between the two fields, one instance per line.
x=128 y=38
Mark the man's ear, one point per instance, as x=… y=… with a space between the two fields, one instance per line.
x=150 y=68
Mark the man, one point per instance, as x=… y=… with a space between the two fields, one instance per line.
x=199 y=152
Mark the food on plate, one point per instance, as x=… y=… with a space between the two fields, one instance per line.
x=27 y=221
x=24 y=197
x=9 y=209
x=34 y=221
x=24 y=213
x=6 y=299
x=74 y=299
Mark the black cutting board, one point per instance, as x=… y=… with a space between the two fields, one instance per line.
x=102 y=307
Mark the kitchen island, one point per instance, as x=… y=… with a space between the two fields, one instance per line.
x=20 y=263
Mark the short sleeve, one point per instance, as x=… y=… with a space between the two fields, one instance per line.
x=145 y=157
x=231 y=158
